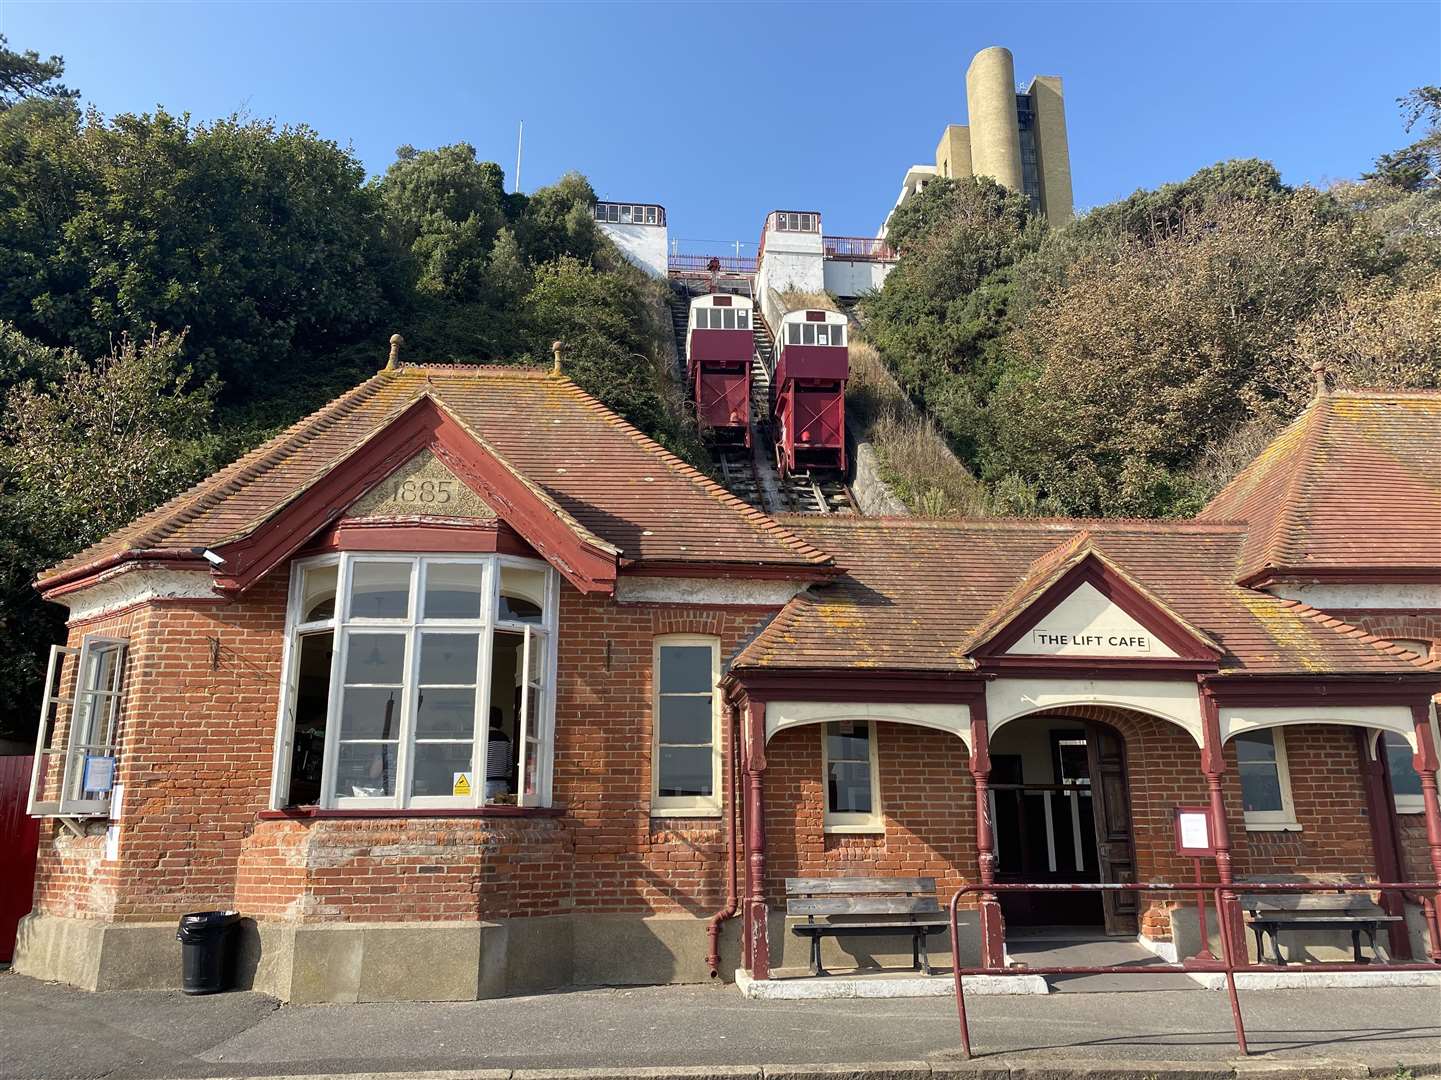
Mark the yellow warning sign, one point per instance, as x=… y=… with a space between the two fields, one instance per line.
x=461 y=785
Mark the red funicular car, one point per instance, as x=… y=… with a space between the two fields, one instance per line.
x=809 y=402
x=718 y=348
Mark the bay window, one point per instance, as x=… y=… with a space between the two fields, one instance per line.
x=417 y=682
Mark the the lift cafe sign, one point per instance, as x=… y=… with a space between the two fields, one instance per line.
x=1086 y=623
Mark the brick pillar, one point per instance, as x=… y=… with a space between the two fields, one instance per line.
x=1426 y=765
x=993 y=926
x=1213 y=765
x=756 y=913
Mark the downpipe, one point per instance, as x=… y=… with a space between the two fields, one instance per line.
x=732 y=904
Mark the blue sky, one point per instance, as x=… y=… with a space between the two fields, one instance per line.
x=725 y=111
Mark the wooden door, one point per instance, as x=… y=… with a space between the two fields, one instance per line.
x=19 y=841
x=1111 y=810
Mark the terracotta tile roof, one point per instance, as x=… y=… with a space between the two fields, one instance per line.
x=1353 y=485
x=882 y=614
x=596 y=468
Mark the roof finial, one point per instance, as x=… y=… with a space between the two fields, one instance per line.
x=1318 y=369
x=557 y=348
x=396 y=341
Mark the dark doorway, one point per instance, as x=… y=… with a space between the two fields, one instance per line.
x=1061 y=813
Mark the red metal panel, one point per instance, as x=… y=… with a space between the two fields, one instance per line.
x=723 y=345
x=19 y=842
x=723 y=397
x=813 y=362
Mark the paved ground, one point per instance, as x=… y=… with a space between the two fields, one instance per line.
x=48 y=1031
x=1058 y=950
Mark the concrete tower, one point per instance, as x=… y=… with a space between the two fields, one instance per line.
x=991 y=103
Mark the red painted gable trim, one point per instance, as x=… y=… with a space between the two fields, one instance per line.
x=478 y=537
x=1349 y=575
x=1093 y=570
x=422 y=426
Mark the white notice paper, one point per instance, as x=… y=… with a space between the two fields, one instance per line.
x=1195 y=833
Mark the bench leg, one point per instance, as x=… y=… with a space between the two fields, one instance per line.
x=925 y=955
x=1356 y=944
x=816 y=968
x=1276 y=948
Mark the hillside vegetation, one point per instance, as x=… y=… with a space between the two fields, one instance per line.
x=1129 y=362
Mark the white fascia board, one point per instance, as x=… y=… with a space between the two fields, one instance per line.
x=1176 y=701
x=1354 y=597
x=641 y=589
x=955 y=719
x=131 y=585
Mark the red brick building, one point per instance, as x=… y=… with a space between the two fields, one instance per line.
x=462 y=687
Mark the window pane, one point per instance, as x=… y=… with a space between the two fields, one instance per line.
x=1258 y=746
x=370 y=713
x=380 y=590
x=365 y=770
x=729 y=318
x=440 y=768
x=850 y=787
x=808 y=334
x=522 y=595
x=852 y=746
x=685 y=771
x=453 y=590
x=312 y=704
x=1260 y=787
x=686 y=720
x=625 y=215
x=445 y=713
x=449 y=659
x=375 y=659
x=1405 y=780
x=317 y=593
x=685 y=669
x=743 y=319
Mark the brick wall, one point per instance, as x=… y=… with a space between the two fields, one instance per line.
x=202 y=690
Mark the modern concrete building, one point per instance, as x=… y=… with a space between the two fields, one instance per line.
x=1017 y=137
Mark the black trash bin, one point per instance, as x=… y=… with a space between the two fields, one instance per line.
x=206 y=942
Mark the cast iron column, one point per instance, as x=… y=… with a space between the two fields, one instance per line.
x=992 y=924
x=1426 y=766
x=756 y=915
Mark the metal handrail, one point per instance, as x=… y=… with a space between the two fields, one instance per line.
x=728 y=264
x=859 y=248
x=1225 y=898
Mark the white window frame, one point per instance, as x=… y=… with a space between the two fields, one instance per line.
x=1284 y=819
x=414 y=626
x=83 y=700
x=686 y=805
x=1405 y=804
x=842 y=823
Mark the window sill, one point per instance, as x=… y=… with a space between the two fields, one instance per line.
x=876 y=829
x=308 y=813
x=1272 y=826
x=1410 y=808
x=712 y=814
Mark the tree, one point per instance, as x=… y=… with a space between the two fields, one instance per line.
x=101 y=443
x=1416 y=167
x=259 y=241
x=25 y=75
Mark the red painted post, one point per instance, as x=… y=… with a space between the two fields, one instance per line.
x=756 y=913
x=992 y=922
x=1426 y=764
x=19 y=842
x=1213 y=764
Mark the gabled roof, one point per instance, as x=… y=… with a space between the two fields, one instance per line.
x=883 y=615
x=1351 y=489
x=582 y=460
x=1053 y=576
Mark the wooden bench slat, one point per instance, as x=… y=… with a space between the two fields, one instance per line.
x=1337 y=920
x=1300 y=902
x=866 y=905
x=856 y=886
x=899 y=929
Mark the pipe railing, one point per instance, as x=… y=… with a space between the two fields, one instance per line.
x=725 y=264
x=1225 y=899
x=859 y=249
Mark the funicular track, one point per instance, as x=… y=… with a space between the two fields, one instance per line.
x=750 y=473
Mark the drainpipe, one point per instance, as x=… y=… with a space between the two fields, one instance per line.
x=732 y=903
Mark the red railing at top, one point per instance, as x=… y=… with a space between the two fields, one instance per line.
x=1233 y=958
x=701 y=264
x=859 y=249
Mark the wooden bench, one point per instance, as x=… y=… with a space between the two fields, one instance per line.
x=1270 y=913
x=880 y=907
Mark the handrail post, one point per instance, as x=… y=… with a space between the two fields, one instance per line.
x=1228 y=955
x=956 y=969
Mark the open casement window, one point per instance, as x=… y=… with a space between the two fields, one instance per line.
x=416 y=682
x=74 y=770
x=1265 y=780
x=686 y=750
x=851 y=777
